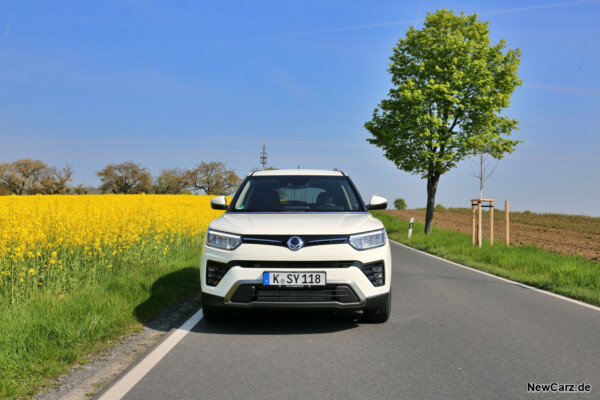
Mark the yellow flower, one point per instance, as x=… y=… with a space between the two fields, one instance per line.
x=39 y=232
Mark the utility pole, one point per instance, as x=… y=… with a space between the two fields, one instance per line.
x=263 y=156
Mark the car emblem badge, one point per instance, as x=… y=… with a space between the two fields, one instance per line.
x=295 y=243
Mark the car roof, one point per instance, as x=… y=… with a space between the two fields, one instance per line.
x=282 y=172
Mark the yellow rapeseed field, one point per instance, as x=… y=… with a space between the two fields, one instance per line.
x=57 y=240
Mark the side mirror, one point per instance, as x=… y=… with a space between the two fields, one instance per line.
x=377 y=203
x=219 y=203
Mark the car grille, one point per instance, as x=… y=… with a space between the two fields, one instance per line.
x=295 y=264
x=331 y=293
x=281 y=240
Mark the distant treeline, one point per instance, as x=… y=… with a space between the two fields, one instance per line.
x=26 y=177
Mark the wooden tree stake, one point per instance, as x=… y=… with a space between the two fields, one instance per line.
x=506 y=212
x=474 y=220
x=479 y=223
x=491 y=223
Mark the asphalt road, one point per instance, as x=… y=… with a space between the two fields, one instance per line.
x=453 y=334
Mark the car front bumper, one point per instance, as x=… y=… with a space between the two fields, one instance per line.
x=364 y=304
x=347 y=288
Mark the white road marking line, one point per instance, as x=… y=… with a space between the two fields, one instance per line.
x=131 y=378
x=558 y=296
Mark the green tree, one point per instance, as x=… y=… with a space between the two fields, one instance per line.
x=450 y=85
x=127 y=177
x=213 y=178
x=80 y=189
x=400 y=204
x=171 y=181
x=23 y=176
x=57 y=180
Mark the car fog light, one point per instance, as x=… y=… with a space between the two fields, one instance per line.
x=215 y=272
x=375 y=272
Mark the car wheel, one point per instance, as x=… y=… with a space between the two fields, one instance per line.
x=381 y=314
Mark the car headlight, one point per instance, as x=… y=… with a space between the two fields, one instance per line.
x=222 y=240
x=368 y=240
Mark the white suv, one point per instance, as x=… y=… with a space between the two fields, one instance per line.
x=296 y=239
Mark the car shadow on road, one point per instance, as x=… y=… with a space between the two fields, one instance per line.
x=176 y=296
x=173 y=298
x=280 y=322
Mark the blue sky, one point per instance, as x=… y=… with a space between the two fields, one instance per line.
x=170 y=84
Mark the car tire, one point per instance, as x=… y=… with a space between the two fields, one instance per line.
x=381 y=314
x=214 y=314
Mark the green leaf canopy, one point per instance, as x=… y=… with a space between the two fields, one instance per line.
x=450 y=87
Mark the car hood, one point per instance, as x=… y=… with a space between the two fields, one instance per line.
x=296 y=223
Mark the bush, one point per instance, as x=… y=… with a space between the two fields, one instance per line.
x=439 y=207
x=400 y=204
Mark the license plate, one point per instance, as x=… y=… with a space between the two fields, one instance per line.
x=298 y=279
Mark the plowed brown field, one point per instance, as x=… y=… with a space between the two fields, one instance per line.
x=567 y=234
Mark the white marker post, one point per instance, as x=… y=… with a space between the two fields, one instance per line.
x=410 y=227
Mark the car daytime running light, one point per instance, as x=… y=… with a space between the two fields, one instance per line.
x=222 y=240
x=368 y=240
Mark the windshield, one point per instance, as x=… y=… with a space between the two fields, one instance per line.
x=296 y=193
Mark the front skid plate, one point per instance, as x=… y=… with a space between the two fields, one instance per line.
x=365 y=304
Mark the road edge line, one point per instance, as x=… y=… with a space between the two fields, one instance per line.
x=523 y=285
x=126 y=382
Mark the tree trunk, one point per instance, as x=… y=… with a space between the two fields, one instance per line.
x=432 y=183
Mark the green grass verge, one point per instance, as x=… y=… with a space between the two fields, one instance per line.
x=41 y=338
x=571 y=276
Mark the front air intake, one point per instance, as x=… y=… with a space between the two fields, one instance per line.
x=247 y=294
x=215 y=271
x=375 y=271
